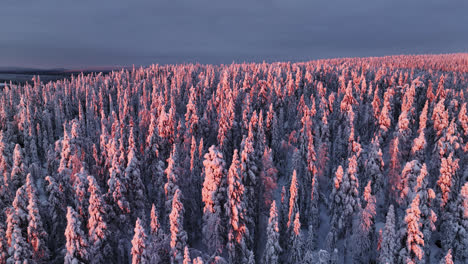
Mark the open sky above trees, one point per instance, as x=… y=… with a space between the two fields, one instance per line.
x=71 y=34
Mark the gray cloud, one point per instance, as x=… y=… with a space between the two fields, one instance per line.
x=66 y=33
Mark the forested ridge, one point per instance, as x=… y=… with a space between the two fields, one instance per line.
x=352 y=160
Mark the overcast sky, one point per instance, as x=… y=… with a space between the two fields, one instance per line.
x=85 y=33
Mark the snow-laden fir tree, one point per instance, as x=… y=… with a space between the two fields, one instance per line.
x=3 y=244
x=448 y=170
x=455 y=226
x=77 y=245
x=296 y=249
x=178 y=235
x=214 y=198
x=20 y=251
x=344 y=201
x=187 y=259
x=268 y=177
x=363 y=228
x=412 y=236
x=388 y=245
x=18 y=214
x=18 y=170
x=172 y=173
x=293 y=199
x=249 y=170
x=139 y=247
x=98 y=230
x=158 y=247
x=37 y=236
x=238 y=233
x=272 y=248
x=135 y=183
x=56 y=211
x=80 y=188
x=447 y=259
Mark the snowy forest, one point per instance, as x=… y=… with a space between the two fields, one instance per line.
x=352 y=160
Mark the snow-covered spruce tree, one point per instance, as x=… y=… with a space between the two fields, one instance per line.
x=394 y=177
x=194 y=191
x=187 y=259
x=20 y=251
x=226 y=126
x=3 y=244
x=463 y=118
x=178 y=235
x=268 y=177
x=293 y=199
x=250 y=177
x=419 y=147
x=197 y=260
x=117 y=192
x=158 y=249
x=426 y=195
x=56 y=211
x=272 y=248
x=191 y=116
x=154 y=167
x=173 y=174
x=455 y=226
x=77 y=244
x=388 y=246
x=344 y=201
x=373 y=170
x=214 y=198
x=440 y=117
x=448 y=170
x=412 y=236
x=296 y=251
x=235 y=208
x=80 y=188
x=18 y=170
x=98 y=231
x=37 y=236
x=18 y=214
x=133 y=175
x=447 y=259
x=363 y=228
x=139 y=247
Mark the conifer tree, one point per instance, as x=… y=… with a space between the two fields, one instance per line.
x=3 y=244
x=388 y=245
x=413 y=250
x=158 y=239
x=363 y=228
x=293 y=197
x=77 y=244
x=19 y=251
x=249 y=171
x=139 y=249
x=237 y=231
x=98 y=230
x=296 y=250
x=173 y=173
x=136 y=187
x=272 y=248
x=447 y=259
x=448 y=169
x=178 y=235
x=37 y=236
x=18 y=173
x=268 y=177
x=56 y=211
x=455 y=226
x=214 y=198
